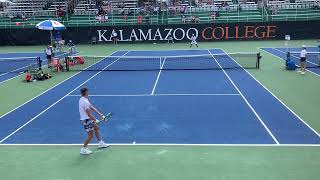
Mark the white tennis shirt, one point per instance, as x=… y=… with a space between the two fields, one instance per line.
x=303 y=53
x=48 y=51
x=193 y=39
x=84 y=104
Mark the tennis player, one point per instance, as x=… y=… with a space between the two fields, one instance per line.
x=115 y=37
x=89 y=122
x=194 y=41
x=303 y=59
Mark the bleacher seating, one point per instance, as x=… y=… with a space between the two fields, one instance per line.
x=302 y=10
x=122 y=12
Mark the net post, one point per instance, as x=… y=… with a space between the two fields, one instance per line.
x=67 y=63
x=258 y=60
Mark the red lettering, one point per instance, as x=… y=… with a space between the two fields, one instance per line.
x=204 y=33
x=227 y=33
x=260 y=34
x=270 y=31
x=248 y=32
x=214 y=33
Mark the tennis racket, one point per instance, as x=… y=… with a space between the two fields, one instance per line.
x=104 y=118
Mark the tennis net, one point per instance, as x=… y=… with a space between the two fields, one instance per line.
x=147 y=63
x=313 y=59
x=17 y=64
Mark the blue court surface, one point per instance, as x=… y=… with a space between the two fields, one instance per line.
x=226 y=106
x=282 y=52
x=12 y=64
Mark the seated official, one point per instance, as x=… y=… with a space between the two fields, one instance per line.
x=290 y=64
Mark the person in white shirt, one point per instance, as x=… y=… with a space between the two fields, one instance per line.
x=115 y=37
x=303 y=59
x=89 y=122
x=194 y=41
x=49 y=52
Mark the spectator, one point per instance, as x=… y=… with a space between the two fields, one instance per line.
x=147 y=19
x=1 y=7
x=11 y=16
x=213 y=16
x=184 y=19
x=227 y=7
x=139 y=19
x=101 y=11
x=183 y=9
x=197 y=19
x=106 y=17
x=18 y=15
x=100 y=19
x=60 y=12
x=23 y=17
x=193 y=19
x=217 y=14
x=156 y=10
x=130 y=12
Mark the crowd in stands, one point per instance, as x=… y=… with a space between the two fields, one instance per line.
x=62 y=11
x=144 y=11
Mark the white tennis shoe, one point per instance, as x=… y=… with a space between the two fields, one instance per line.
x=102 y=144
x=85 y=151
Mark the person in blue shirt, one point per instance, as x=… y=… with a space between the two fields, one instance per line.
x=290 y=64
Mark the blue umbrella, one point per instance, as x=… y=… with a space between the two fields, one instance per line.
x=50 y=25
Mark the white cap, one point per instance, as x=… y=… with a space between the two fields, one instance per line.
x=304 y=46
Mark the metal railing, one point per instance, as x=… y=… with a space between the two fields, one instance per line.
x=88 y=17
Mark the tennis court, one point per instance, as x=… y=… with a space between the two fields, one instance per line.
x=15 y=63
x=312 y=59
x=174 y=111
x=223 y=106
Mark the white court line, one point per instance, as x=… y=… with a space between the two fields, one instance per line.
x=146 y=95
x=283 y=59
x=155 y=84
x=23 y=73
x=59 y=100
x=16 y=70
x=282 y=101
x=247 y=102
x=174 y=144
x=159 y=50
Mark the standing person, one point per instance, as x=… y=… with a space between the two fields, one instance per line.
x=114 y=37
x=39 y=61
x=140 y=18
x=49 y=53
x=72 y=47
x=89 y=122
x=194 y=41
x=303 y=59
